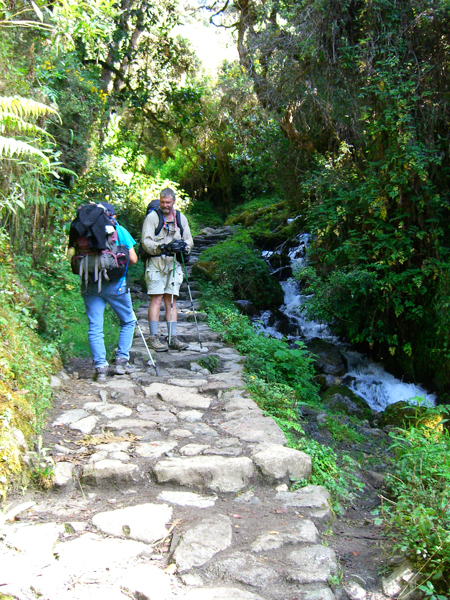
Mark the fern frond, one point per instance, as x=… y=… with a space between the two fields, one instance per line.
x=10 y=147
x=24 y=107
x=18 y=124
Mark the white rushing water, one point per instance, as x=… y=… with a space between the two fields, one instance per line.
x=368 y=380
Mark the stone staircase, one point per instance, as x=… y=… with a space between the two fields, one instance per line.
x=168 y=486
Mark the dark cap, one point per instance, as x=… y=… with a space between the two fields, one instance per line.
x=109 y=208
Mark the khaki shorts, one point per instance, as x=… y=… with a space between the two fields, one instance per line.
x=161 y=283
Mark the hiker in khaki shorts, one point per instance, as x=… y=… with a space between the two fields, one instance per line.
x=173 y=237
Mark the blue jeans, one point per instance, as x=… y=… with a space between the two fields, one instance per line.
x=117 y=296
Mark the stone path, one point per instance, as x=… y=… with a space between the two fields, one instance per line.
x=169 y=487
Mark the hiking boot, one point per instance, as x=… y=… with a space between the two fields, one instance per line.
x=101 y=373
x=122 y=366
x=175 y=344
x=155 y=344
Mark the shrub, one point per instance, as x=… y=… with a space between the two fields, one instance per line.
x=236 y=262
x=418 y=518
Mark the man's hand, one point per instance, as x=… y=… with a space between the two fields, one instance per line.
x=176 y=246
x=165 y=249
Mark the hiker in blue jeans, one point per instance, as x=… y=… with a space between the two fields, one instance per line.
x=116 y=294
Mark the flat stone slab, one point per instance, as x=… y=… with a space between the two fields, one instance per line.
x=188 y=499
x=312 y=499
x=158 y=416
x=85 y=425
x=70 y=416
x=120 y=384
x=110 y=411
x=255 y=429
x=304 y=532
x=212 y=472
x=36 y=541
x=191 y=416
x=202 y=429
x=246 y=569
x=90 y=549
x=146 y=582
x=155 y=449
x=131 y=424
x=278 y=462
x=193 y=449
x=188 y=383
x=107 y=469
x=202 y=541
x=143 y=523
x=220 y=593
x=177 y=396
x=313 y=564
x=114 y=447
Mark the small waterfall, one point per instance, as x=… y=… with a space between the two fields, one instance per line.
x=365 y=378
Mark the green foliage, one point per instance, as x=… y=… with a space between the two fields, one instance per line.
x=418 y=518
x=337 y=475
x=280 y=402
x=269 y=360
x=236 y=262
x=342 y=432
x=210 y=362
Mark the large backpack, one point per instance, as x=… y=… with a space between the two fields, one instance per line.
x=98 y=254
x=154 y=206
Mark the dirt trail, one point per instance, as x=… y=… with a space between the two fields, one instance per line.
x=176 y=486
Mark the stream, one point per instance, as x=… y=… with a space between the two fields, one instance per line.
x=367 y=379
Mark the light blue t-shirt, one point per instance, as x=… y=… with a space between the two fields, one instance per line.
x=124 y=237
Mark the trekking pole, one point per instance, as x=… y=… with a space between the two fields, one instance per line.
x=192 y=301
x=145 y=344
x=169 y=323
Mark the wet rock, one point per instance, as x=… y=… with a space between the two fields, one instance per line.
x=247 y=307
x=202 y=541
x=341 y=399
x=329 y=359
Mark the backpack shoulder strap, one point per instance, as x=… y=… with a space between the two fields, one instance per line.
x=161 y=220
x=178 y=218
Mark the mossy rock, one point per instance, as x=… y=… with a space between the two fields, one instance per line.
x=328 y=358
x=205 y=270
x=403 y=415
x=341 y=399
